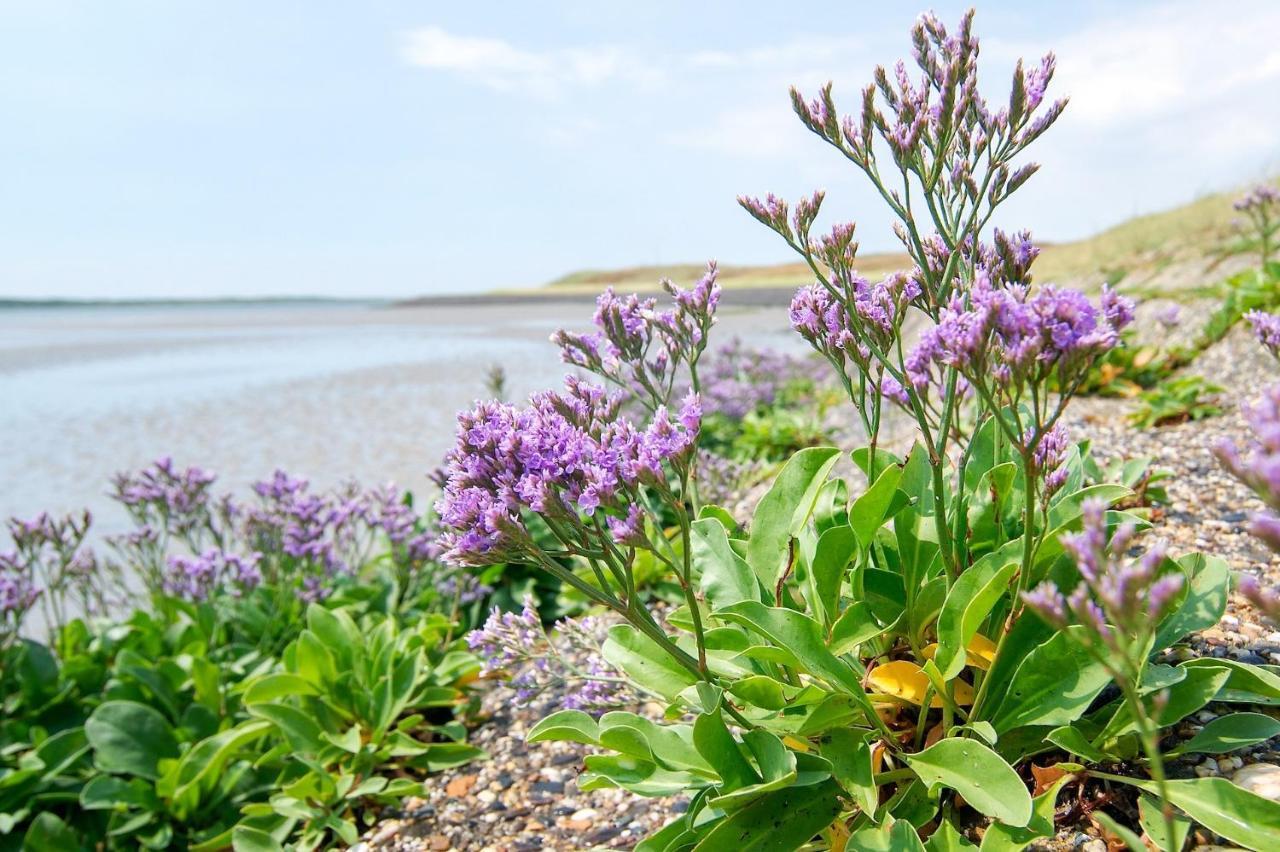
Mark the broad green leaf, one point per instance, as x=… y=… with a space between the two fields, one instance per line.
x=639 y=776
x=1208 y=582
x=646 y=662
x=108 y=792
x=1053 y=685
x=1127 y=836
x=976 y=772
x=797 y=633
x=724 y=576
x=1007 y=838
x=1183 y=698
x=670 y=746
x=1248 y=684
x=1229 y=733
x=200 y=768
x=130 y=738
x=279 y=685
x=869 y=512
x=572 y=726
x=48 y=833
x=850 y=759
x=970 y=600
x=784 y=509
x=890 y=836
x=1217 y=804
x=862 y=458
x=781 y=821
x=1151 y=818
x=856 y=625
x=836 y=548
x=1073 y=740
x=947 y=839
x=248 y=839
x=719 y=749
x=299 y=728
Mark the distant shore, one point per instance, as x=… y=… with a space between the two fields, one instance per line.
x=746 y=297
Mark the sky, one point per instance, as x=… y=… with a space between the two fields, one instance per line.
x=172 y=149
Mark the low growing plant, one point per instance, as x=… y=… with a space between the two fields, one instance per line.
x=873 y=661
x=1176 y=400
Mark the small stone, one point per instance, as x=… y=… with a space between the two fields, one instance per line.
x=1096 y=844
x=439 y=843
x=1262 y=779
x=486 y=796
x=584 y=814
x=460 y=786
x=1225 y=765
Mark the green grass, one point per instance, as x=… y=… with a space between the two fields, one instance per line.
x=1195 y=235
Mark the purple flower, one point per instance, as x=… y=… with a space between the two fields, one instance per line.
x=1114 y=594
x=1266 y=328
x=565 y=456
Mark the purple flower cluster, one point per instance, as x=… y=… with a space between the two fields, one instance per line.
x=1261 y=197
x=1012 y=337
x=740 y=379
x=18 y=593
x=1259 y=466
x=516 y=647
x=643 y=349
x=466 y=588
x=195 y=578
x=565 y=456
x=1266 y=328
x=1116 y=599
x=1047 y=455
x=177 y=500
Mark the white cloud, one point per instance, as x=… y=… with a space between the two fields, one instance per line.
x=501 y=66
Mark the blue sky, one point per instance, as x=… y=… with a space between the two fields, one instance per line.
x=176 y=149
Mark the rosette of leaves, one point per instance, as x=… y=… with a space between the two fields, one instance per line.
x=362 y=711
x=1176 y=400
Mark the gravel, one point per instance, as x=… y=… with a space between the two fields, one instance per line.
x=526 y=797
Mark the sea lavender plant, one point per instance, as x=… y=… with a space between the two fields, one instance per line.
x=1261 y=207
x=644 y=351
x=18 y=593
x=1113 y=614
x=565 y=661
x=51 y=554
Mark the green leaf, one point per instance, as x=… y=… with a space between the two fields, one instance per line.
x=248 y=839
x=1209 y=580
x=869 y=512
x=646 y=662
x=781 y=821
x=890 y=836
x=947 y=839
x=1217 y=804
x=199 y=770
x=1185 y=697
x=969 y=602
x=856 y=625
x=297 y=727
x=976 y=772
x=48 y=833
x=572 y=726
x=1053 y=685
x=784 y=509
x=1006 y=838
x=130 y=738
x=278 y=685
x=1073 y=740
x=1151 y=818
x=1248 y=684
x=107 y=792
x=797 y=633
x=718 y=747
x=836 y=548
x=850 y=758
x=724 y=576
x=1126 y=835
x=1229 y=733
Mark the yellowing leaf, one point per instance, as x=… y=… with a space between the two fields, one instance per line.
x=978 y=653
x=904 y=679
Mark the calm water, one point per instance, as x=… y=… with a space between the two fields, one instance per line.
x=329 y=392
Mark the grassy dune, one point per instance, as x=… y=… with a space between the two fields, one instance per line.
x=1173 y=252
